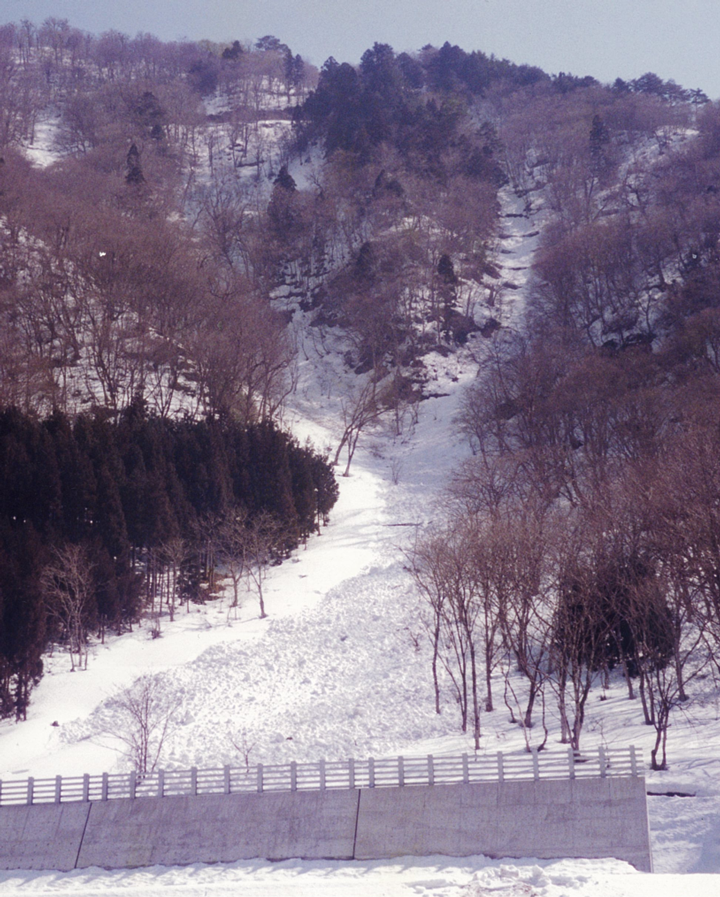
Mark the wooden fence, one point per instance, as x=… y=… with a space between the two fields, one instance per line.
x=320 y=775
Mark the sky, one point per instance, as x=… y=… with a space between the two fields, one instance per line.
x=678 y=39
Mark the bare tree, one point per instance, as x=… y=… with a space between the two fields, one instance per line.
x=462 y=574
x=68 y=587
x=526 y=614
x=582 y=626
x=232 y=552
x=365 y=408
x=240 y=740
x=142 y=717
x=241 y=352
x=261 y=540
x=427 y=571
x=174 y=553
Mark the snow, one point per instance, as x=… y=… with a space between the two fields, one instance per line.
x=43 y=151
x=341 y=668
x=404 y=877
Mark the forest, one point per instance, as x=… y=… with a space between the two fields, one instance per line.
x=197 y=199
x=142 y=367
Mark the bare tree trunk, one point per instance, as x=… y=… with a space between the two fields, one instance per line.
x=436 y=648
x=648 y=705
x=565 y=735
x=476 y=705
x=488 y=675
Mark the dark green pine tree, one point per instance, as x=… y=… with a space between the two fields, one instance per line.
x=271 y=480
x=133 y=169
x=29 y=482
x=77 y=479
x=109 y=524
x=326 y=487
x=23 y=617
x=599 y=146
x=303 y=486
x=134 y=493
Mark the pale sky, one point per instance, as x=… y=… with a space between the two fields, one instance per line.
x=678 y=39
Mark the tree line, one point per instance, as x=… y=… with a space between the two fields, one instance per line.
x=582 y=536
x=102 y=518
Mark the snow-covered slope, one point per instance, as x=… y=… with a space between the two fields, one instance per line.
x=341 y=668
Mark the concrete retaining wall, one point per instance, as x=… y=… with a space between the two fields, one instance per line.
x=589 y=818
x=597 y=817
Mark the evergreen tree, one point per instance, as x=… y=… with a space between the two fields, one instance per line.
x=112 y=496
x=133 y=173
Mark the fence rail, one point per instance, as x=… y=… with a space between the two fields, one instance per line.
x=342 y=774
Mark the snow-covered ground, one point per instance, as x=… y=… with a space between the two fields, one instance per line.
x=341 y=668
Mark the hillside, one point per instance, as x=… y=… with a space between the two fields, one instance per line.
x=445 y=246
x=343 y=626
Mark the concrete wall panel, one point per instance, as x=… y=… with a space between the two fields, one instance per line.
x=445 y=819
x=548 y=819
x=220 y=828
x=47 y=836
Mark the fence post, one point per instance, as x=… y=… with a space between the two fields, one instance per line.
x=104 y=790
x=322 y=775
x=603 y=762
x=536 y=764
x=401 y=771
x=431 y=769
x=371 y=772
x=226 y=780
x=86 y=787
x=259 y=778
x=293 y=775
x=351 y=773
x=501 y=766
x=161 y=783
x=133 y=783
x=58 y=789
x=193 y=780
x=633 y=761
x=571 y=763
x=30 y=788
x=465 y=769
